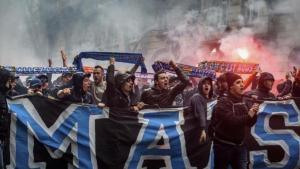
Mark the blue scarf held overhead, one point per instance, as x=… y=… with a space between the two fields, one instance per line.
x=134 y=58
x=187 y=69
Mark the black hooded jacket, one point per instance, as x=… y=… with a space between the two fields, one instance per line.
x=231 y=120
x=113 y=95
x=77 y=93
x=261 y=92
x=198 y=105
x=296 y=88
x=4 y=116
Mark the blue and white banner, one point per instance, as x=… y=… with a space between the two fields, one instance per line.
x=39 y=70
x=47 y=133
x=190 y=71
x=134 y=58
x=275 y=141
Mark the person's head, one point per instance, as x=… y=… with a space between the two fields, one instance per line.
x=14 y=81
x=124 y=82
x=67 y=77
x=235 y=84
x=81 y=82
x=5 y=80
x=44 y=80
x=86 y=83
x=98 y=74
x=127 y=86
x=27 y=80
x=221 y=83
x=35 y=85
x=161 y=80
x=266 y=81
x=205 y=87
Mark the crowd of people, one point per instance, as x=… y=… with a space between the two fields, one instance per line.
x=236 y=110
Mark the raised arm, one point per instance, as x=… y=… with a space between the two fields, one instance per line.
x=136 y=66
x=64 y=58
x=110 y=81
x=184 y=81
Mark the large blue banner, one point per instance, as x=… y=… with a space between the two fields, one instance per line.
x=47 y=133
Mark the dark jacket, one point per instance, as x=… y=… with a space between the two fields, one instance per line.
x=77 y=94
x=46 y=92
x=20 y=89
x=231 y=119
x=187 y=96
x=113 y=93
x=255 y=83
x=198 y=106
x=296 y=88
x=53 y=91
x=261 y=92
x=165 y=98
x=4 y=116
x=13 y=93
x=284 y=88
x=220 y=94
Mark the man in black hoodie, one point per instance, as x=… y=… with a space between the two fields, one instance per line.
x=5 y=85
x=79 y=93
x=119 y=92
x=232 y=118
x=263 y=91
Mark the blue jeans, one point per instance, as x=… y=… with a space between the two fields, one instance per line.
x=226 y=155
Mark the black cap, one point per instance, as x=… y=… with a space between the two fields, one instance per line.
x=67 y=74
x=231 y=78
x=120 y=78
x=35 y=83
x=43 y=78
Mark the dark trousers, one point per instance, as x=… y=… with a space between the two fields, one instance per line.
x=1 y=155
x=226 y=155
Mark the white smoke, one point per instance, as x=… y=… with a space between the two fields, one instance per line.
x=37 y=30
x=267 y=30
x=15 y=44
x=193 y=30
